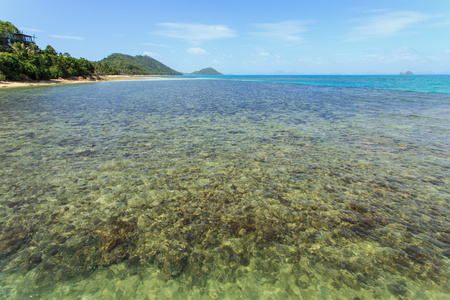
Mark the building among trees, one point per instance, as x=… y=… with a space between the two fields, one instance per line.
x=9 y=34
x=7 y=39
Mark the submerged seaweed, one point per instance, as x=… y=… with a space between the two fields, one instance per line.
x=186 y=188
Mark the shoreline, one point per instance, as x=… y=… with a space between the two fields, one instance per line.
x=80 y=79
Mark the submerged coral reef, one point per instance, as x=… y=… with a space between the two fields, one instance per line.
x=202 y=198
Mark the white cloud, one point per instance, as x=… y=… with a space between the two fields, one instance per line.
x=151 y=54
x=262 y=53
x=195 y=33
x=66 y=37
x=288 y=31
x=311 y=61
x=373 y=57
x=386 y=25
x=405 y=54
x=197 y=51
x=157 y=45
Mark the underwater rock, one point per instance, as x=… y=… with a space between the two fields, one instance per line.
x=196 y=262
x=133 y=262
x=303 y=281
x=416 y=254
x=30 y=135
x=398 y=288
x=86 y=153
x=119 y=240
x=34 y=260
x=173 y=264
x=63 y=273
x=13 y=239
x=231 y=258
x=358 y=208
x=69 y=142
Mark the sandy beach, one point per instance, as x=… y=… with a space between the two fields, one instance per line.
x=12 y=84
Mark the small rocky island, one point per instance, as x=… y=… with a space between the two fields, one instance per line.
x=407 y=73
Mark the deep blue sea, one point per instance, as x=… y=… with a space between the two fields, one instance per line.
x=227 y=187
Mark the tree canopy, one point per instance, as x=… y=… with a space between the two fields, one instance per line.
x=137 y=65
x=8 y=27
x=22 y=62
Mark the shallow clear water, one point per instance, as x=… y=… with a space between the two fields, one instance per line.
x=223 y=189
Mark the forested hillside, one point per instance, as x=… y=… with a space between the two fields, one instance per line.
x=207 y=71
x=137 y=65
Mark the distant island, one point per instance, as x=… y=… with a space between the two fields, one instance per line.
x=207 y=71
x=407 y=73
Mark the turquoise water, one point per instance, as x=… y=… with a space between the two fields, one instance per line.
x=416 y=83
x=224 y=189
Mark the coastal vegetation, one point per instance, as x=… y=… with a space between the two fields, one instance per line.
x=118 y=63
x=21 y=62
x=25 y=61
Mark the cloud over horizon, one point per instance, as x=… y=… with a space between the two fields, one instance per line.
x=385 y=25
x=151 y=54
x=197 y=51
x=288 y=31
x=157 y=45
x=195 y=33
x=66 y=37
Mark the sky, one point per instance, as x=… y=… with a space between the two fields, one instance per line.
x=247 y=36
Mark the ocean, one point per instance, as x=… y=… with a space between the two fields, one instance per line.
x=227 y=187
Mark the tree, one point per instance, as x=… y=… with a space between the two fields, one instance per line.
x=6 y=31
x=33 y=49
x=19 y=49
x=49 y=50
x=8 y=27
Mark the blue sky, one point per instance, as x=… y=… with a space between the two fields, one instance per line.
x=246 y=36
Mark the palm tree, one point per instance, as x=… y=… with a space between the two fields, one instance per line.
x=32 y=49
x=19 y=49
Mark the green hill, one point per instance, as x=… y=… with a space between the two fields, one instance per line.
x=207 y=71
x=137 y=65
